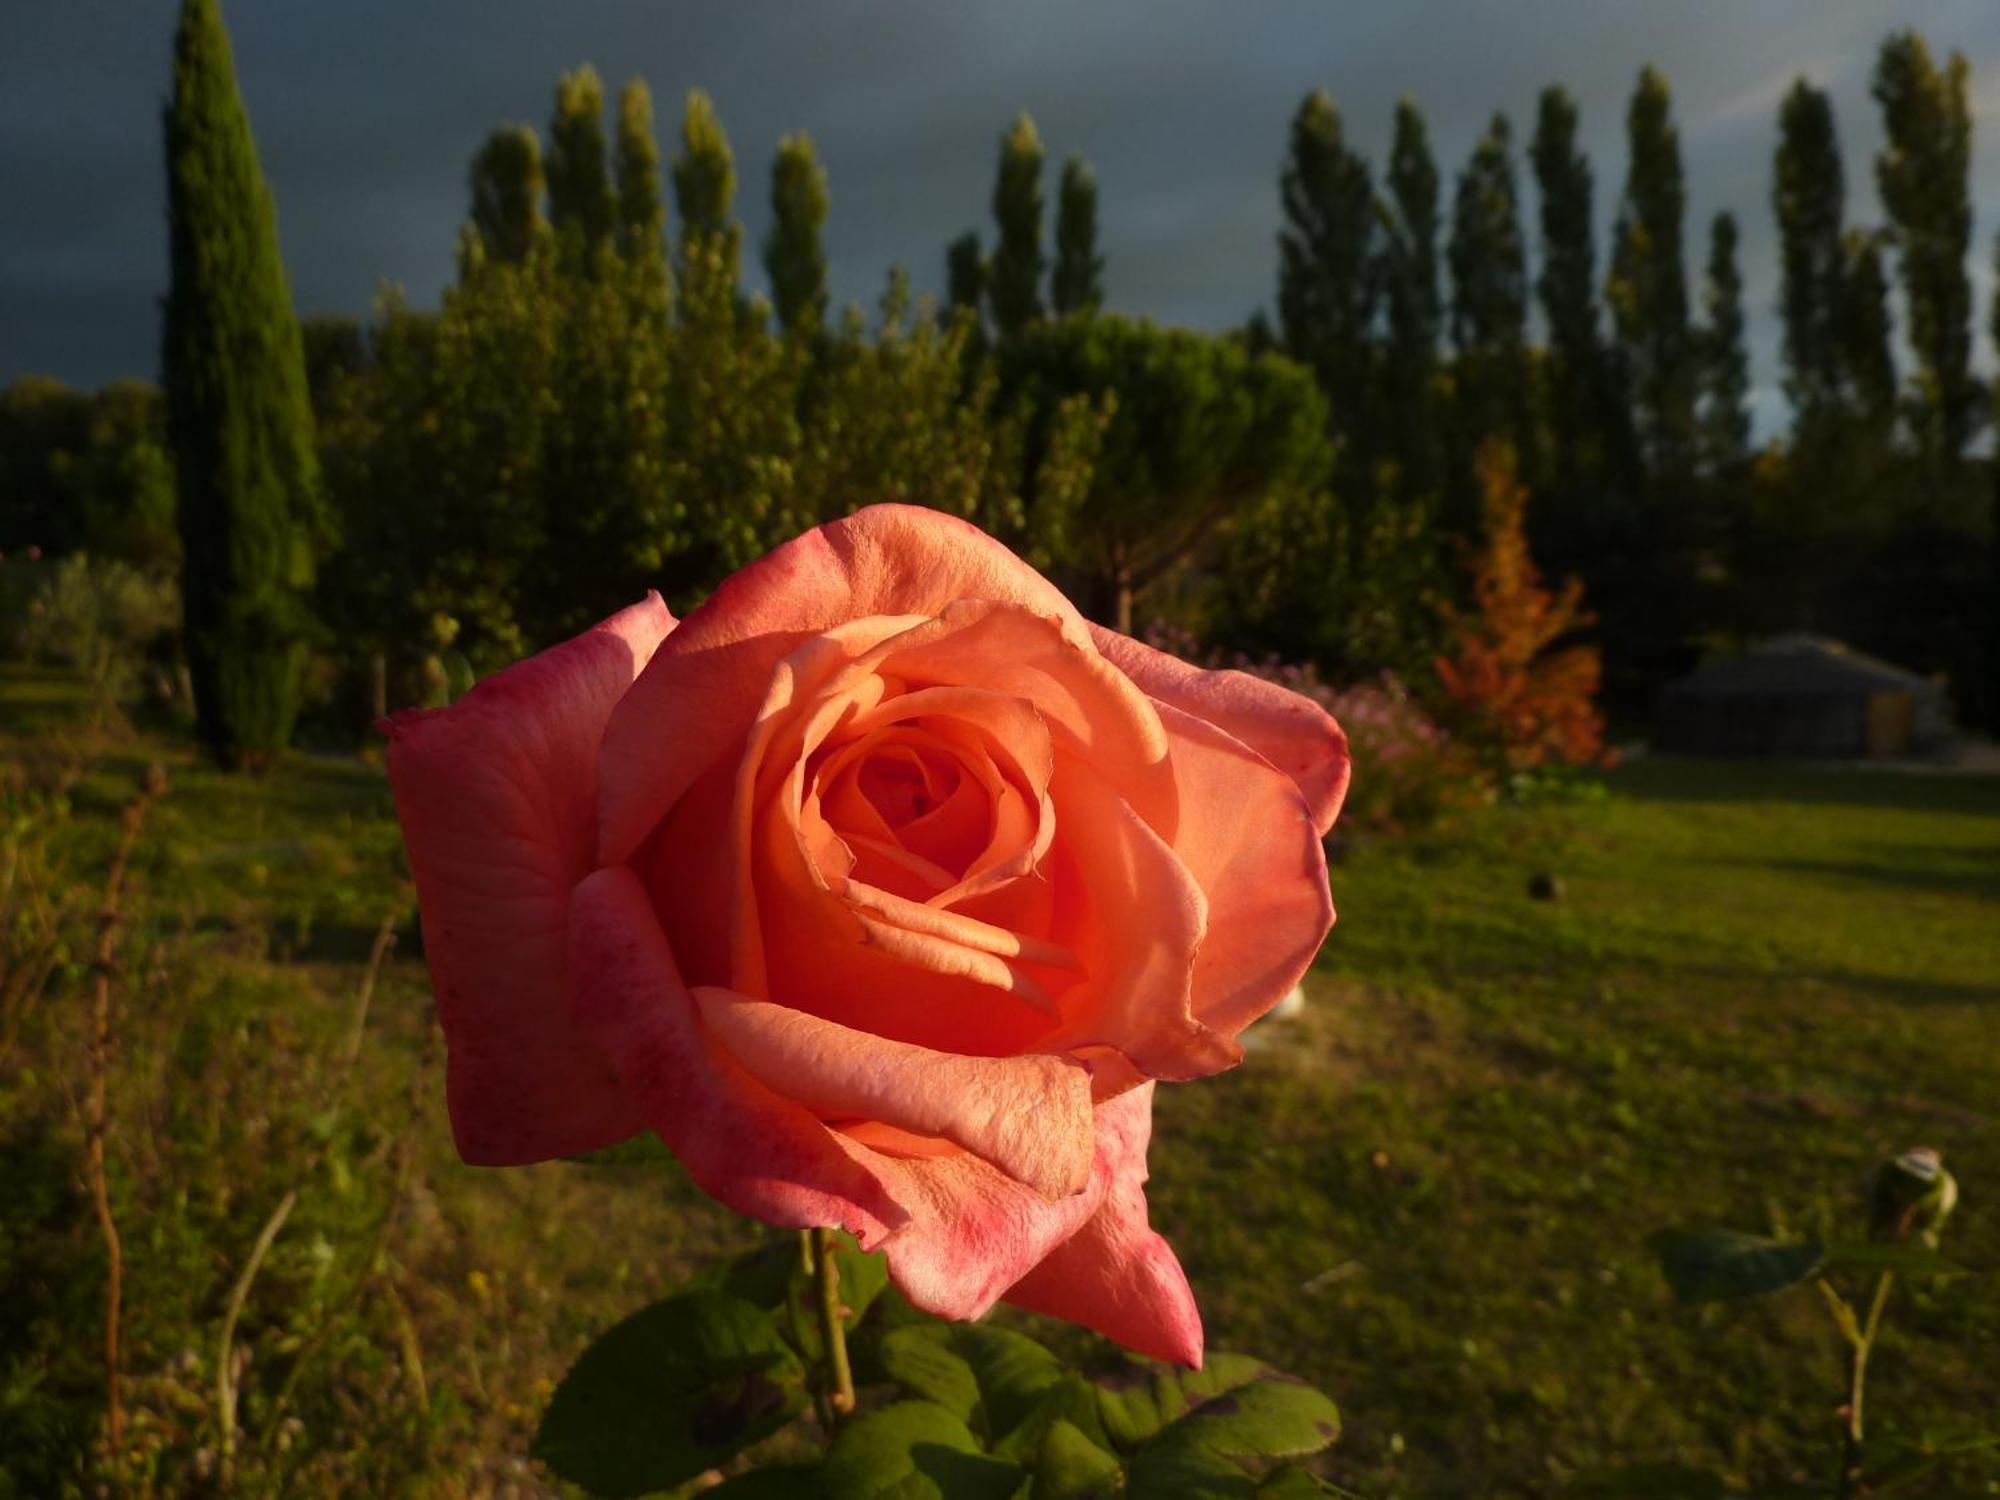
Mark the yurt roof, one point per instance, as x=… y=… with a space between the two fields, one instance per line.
x=1800 y=665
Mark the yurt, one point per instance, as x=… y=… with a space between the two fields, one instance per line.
x=1801 y=696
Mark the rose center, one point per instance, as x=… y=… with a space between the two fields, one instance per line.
x=905 y=786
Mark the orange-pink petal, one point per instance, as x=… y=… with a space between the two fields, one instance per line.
x=497 y=796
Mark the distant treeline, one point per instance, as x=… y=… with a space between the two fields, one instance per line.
x=599 y=404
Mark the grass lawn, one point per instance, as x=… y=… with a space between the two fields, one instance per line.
x=1428 y=1194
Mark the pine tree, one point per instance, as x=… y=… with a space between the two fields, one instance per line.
x=965 y=272
x=507 y=189
x=1808 y=194
x=1327 y=256
x=582 y=206
x=1077 y=284
x=704 y=194
x=1725 y=365
x=1921 y=175
x=1014 y=278
x=794 y=258
x=642 y=214
x=1648 y=286
x=239 y=420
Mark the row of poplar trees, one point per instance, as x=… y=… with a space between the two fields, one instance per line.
x=599 y=405
x=1872 y=517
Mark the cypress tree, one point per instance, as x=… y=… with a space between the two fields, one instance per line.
x=582 y=206
x=1921 y=175
x=1808 y=196
x=1078 y=281
x=1014 y=278
x=642 y=214
x=1326 y=262
x=507 y=187
x=239 y=420
x=1725 y=366
x=794 y=259
x=1648 y=287
x=704 y=194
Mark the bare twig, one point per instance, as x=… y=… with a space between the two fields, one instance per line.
x=225 y=1363
x=95 y=1108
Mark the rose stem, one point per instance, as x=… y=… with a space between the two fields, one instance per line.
x=833 y=1326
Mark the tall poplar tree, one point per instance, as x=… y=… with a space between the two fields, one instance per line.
x=1725 y=364
x=1489 y=269
x=794 y=258
x=1327 y=256
x=1489 y=300
x=1864 y=335
x=1648 y=285
x=1808 y=196
x=238 y=416
x=704 y=196
x=507 y=188
x=1922 y=176
x=1588 y=416
x=582 y=207
x=1077 y=284
x=1409 y=279
x=642 y=214
x=1412 y=279
x=1014 y=276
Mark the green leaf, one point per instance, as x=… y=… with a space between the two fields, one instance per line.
x=1072 y=1400
x=1649 y=1482
x=1139 y=1401
x=914 y=1450
x=1207 y=1450
x=1904 y=1259
x=990 y=1378
x=670 y=1392
x=1723 y=1265
x=1072 y=1467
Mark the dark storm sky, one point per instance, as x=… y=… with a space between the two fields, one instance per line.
x=368 y=110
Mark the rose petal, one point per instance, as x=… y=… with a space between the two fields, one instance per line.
x=1115 y=1275
x=1029 y=1116
x=760 y=1154
x=697 y=702
x=1249 y=840
x=497 y=795
x=1288 y=729
x=974 y=1233
x=1135 y=927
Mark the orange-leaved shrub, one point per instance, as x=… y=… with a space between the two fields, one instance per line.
x=1510 y=688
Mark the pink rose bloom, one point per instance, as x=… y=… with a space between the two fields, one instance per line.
x=882 y=888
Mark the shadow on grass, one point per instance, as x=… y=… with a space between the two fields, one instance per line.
x=1673 y=778
x=1975 y=872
